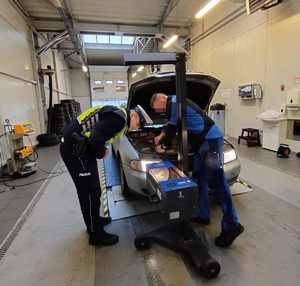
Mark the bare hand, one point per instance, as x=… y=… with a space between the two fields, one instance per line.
x=158 y=138
x=159 y=149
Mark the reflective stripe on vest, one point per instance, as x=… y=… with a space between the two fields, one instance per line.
x=91 y=116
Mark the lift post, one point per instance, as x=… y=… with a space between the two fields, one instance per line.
x=177 y=59
x=176 y=195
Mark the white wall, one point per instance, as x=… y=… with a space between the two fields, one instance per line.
x=104 y=73
x=262 y=48
x=18 y=99
x=19 y=96
x=61 y=81
x=80 y=88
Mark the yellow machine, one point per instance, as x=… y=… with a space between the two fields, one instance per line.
x=19 y=164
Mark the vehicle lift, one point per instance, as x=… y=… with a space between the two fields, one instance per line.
x=177 y=192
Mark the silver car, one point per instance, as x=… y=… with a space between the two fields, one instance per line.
x=135 y=150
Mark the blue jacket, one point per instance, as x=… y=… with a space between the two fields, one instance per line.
x=198 y=124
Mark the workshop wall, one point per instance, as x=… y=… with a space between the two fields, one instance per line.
x=109 y=84
x=19 y=96
x=18 y=100
x=80 y=88
x=262 y=48
x=61 y=79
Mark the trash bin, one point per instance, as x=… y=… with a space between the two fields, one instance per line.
x=217 y=114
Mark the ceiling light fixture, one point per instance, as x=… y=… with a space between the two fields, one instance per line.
x=134 y=74
x=170 y=41
x=84 y=68
x=140 y=68
x=211 y=4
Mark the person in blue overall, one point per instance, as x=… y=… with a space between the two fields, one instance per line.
x=207 y=142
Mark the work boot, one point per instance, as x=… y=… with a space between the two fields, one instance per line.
x=203 y=221
x=103 y=222
x=226 y=238
x=103 y=238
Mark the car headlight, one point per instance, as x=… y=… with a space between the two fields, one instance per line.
x=229 y=156
x=141 y=165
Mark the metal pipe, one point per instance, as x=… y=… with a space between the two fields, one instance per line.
x=26 y=16
x=50 y=43
x=18 y=78
x=172 y=4
x=219 y=25
x=181 y=92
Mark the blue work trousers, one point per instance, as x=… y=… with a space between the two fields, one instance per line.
x=208 y=167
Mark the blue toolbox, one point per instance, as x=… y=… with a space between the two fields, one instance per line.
x=178 y=194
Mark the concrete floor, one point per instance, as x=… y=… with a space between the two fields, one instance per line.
x=52 y=249
x=14 y=201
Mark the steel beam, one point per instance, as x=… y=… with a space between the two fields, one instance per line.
x=181 y=112
x=56 y=40
x=26 y=16
x=172 y=4
x=64 y=9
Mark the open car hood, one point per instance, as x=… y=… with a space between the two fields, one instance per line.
x=200 y=89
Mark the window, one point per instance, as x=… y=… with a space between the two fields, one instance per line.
x=109 y=82
x=102 y=39
x=109 y=40
x=127 y=40
x=116 y=40
x=120 y=88
x=120 y=81
x=90 y=39
x=99 y=88
x=98 y=82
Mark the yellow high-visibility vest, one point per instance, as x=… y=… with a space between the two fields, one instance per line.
x=91 y=116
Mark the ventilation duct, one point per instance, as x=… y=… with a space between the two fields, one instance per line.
x=255 y=5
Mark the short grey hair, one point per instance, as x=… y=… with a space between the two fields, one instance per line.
x=153 y=99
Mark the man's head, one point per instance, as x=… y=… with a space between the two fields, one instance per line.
x=134 y=122
x=159 y=102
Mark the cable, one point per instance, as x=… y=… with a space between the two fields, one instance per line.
x=32 y=182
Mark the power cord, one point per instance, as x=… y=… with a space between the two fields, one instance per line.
x=51 y=174
x=30 y=183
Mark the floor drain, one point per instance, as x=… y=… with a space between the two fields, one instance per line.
x=18 y=225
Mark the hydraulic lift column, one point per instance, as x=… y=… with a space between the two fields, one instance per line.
x=177 y=192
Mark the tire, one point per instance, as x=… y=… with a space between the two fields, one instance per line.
x=142 y=243
x=124 y=185
x=211 y=269
x=48 y=139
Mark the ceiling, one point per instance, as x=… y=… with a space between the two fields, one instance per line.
x=134 y=17
x=140 y=12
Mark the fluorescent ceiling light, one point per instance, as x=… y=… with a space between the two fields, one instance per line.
x=109 y=82
x=98 y=81
x=120 y=81
x=170 y=41
x=134 y=74
x=211 y=4
x=140 y=68
x=84 y=68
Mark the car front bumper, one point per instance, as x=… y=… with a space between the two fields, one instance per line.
x=137 y=180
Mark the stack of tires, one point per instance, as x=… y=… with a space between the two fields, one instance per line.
x=59 y=121
x=63 y=113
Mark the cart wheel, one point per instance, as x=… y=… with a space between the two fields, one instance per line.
x=211 y=269
x=142 y=243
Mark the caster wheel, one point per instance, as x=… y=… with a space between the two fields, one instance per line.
x=211 y=269
x=142 y=243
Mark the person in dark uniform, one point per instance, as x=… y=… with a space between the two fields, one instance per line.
x=84 y=140
x=207 y=142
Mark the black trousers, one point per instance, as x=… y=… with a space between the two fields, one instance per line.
x=85 y=175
